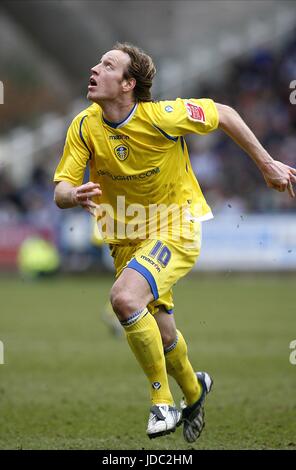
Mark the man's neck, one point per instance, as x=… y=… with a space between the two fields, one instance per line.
x=114 y=112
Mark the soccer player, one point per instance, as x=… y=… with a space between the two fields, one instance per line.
x=149 y=207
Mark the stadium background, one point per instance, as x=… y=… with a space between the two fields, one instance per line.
x=237 y=309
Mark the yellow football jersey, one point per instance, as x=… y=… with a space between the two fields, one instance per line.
x=142 y=165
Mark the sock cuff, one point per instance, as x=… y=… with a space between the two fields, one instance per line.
x=172 y=346
x=134 y=317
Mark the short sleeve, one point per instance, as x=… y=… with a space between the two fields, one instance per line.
x=185 y=116
x=76 y=154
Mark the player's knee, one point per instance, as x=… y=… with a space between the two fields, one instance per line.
x=123 y=302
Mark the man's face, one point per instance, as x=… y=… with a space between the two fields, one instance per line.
x=106 y=82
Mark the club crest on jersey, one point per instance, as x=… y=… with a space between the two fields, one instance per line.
x=121 y=152
x=195 y=112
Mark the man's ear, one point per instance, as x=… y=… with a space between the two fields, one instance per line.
x=129 y=84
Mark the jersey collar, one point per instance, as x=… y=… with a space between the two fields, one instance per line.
x=117 y=125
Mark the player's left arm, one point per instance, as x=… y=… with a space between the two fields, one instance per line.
x=276 y=174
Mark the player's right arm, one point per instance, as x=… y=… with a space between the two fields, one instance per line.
x=66 y=195
x=69 y=190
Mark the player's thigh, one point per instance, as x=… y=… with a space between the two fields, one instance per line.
x=130 y=291
x=132 y=284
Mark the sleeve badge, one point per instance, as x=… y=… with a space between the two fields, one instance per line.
x=195 y=112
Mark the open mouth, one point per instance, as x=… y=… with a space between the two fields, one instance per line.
x=92 y=82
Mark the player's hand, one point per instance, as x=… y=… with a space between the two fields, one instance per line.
x=280 y=176
x=81 y=196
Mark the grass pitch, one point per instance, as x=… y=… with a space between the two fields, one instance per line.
x=68 y=384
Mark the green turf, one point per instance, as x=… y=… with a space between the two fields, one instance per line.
x=68 y=384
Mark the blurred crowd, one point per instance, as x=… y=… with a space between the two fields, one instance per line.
x=258 y=87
